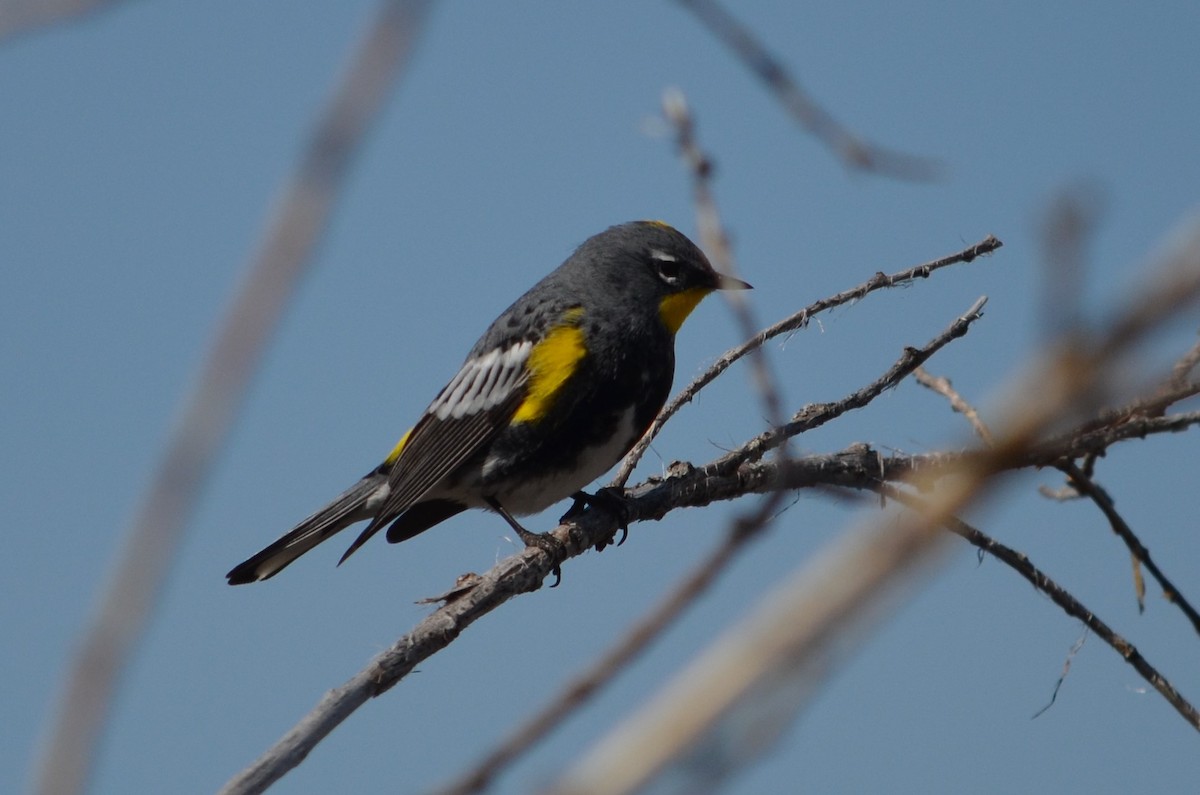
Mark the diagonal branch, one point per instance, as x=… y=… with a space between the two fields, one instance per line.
x=28 y=16
x=157 y=527
x=852 y=150
x=716 y=242
x=1083 y=483
x=525 y=571
x=943 y=387
x=793 y=322
x=1064 y=377
x=858 y=467
x=711 y=719
x=1087 y=486
x=585 y=686
x=1021 y=564
x=813 y=416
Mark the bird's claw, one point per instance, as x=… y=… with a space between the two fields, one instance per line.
x=609 y=499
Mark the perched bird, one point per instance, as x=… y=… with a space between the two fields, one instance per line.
x=555 y=393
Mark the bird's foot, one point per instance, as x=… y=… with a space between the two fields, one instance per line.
x=609 y=499
x=546 y=542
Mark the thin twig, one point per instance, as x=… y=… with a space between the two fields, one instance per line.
x=858 y=467
x=157 y=527
x=1066 y=669
x=1065 y=374
x=1081 y=483
x=815 y=415
x=1141 y=555
x=849 y=148
x=1183 y=368
x=943 y=387
x=793 y=322
x=1095 y=438
x=524 y=572
x=782 y=651
x=716 y=242
x=1021 y=564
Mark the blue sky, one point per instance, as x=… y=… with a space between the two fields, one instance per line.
x=141 y=151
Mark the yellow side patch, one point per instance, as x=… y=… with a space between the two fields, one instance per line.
x=398 y=449
x=675 y=308
x=551 y=362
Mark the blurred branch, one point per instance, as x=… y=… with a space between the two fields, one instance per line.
x=1066 y=385
x=1068 y=227
x=1082 y=483
x=849 y=148
x=27 y=16
x=739 y=695
x=587 y=685
x=1184 y=367
x=200 y=430
x=715 y=242
x=525 y=571
x=732 y=701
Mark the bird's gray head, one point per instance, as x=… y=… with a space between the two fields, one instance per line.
x=650 y=264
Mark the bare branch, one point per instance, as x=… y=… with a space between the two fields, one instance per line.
x=815 y=415
x=1087 y=486
x=1021 y=564
x=944 y=388
x=791 y=323
x=658 y=620
x=1067 y=374
x=858 y=467
x=687 y=486
x=1066 y=669
x=1082 y=483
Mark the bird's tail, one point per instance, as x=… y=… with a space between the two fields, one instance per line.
x=350 y=507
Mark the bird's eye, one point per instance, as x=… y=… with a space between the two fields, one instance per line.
x=668 y=270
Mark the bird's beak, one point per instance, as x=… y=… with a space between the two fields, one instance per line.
x=729 y=283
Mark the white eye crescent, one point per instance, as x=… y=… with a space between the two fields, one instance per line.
x=668 y=266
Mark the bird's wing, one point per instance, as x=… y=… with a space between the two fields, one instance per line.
x=476 y=405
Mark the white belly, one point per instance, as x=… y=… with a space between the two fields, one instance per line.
x=533 y=496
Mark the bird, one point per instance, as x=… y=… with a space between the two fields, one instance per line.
x=556 y=392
